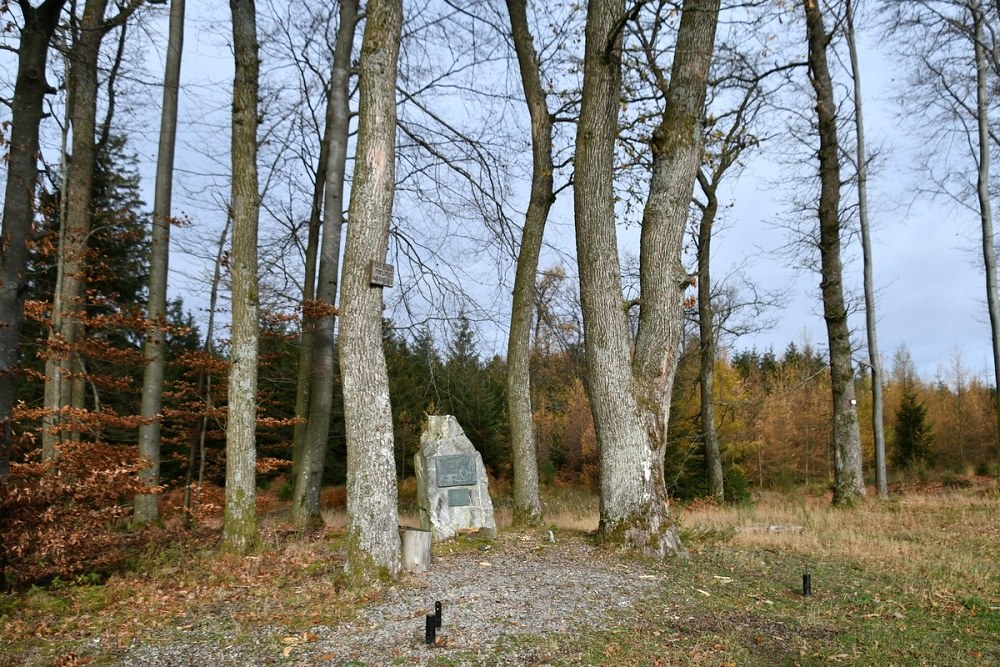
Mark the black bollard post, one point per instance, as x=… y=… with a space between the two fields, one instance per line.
x=437 y=613
x=806 y=584
x=430 y=630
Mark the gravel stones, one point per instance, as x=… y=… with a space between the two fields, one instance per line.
x=518 y=586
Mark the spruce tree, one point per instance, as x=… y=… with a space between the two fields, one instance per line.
x=913 y=434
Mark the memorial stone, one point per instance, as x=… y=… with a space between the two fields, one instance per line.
x=452 y=486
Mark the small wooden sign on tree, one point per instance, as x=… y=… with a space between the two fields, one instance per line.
x=381 y=274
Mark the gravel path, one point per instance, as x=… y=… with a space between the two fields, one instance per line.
x=515 y=586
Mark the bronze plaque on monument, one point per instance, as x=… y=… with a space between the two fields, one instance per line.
x=456 y=470
x=459 y=498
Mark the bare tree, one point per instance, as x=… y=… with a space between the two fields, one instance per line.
x=631 y=407
x=64 y=370
x=740 y=89
x=30 y=88
x=372 y=529
x=66 y=327
x=240 y=532
x=146 y=505
x=305 y=505
x=951 y=48
x=848 y=478
x=527 y=507
x=874 y=361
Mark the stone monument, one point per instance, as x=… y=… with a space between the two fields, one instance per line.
x=452 y=486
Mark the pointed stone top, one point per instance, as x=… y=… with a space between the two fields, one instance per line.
x=443 y=427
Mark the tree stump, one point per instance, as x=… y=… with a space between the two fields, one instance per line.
x=416 y=550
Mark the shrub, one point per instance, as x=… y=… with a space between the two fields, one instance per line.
x=67 y=516
x=736 y=486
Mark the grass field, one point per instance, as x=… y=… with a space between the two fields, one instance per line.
x=910 y=581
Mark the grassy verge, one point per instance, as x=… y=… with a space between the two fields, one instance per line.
x=911 y=581
x=914 y=581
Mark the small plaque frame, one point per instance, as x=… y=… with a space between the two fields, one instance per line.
x=381 y=274
x=459 y=497
x=456 y=470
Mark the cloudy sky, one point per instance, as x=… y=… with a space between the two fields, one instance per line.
x=926 y=253
x=927 y=264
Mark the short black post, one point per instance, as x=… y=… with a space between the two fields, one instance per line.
x=430 y=630
x=437 y=613
x=807 y=584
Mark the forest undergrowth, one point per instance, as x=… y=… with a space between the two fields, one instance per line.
x=912 y=580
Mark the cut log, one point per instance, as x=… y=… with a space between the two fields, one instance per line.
x=416 y=550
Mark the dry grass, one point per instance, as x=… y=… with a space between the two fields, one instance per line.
x=893 y=535
x=915 y=580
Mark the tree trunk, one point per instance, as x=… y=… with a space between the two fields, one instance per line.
x=240 y=533
x=848 y=479
x=154 y=350
x=305 y=502
x=527 y=507
x=204 y=376
x=303 y=376
x=874 y=360
x=706 y=331
x=631 y=408
x=63 y=370
x=625 y=469
x=372 y=523
x=30 y=88
x=677 y=147
x=985 y=203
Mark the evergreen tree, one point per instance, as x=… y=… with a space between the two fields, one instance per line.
x=913 y=434
x=474 y=393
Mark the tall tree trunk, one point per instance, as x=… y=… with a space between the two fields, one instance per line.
x=204 y=376
x=64 y=372
x=30 y=88
x=631 y=405
x=985 y=203
x=527 y=507
x=848 y=479
x=624 y=469
x=706 y=331
x=305 y=502
x=240 y=533
x=303 y=376
x=874 y=360
x=677 y=147
x=372 y=515
x=154 y=349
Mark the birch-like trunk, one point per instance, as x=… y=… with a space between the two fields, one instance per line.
x=30 y=88
x=527 y=507
x=372 y=523
x=240 y=532
x=305 y=502
x=154 y=350
x=848 y=479
x=985 y=203
x=874 y=360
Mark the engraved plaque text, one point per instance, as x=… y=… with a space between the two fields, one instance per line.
x=456 y=470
